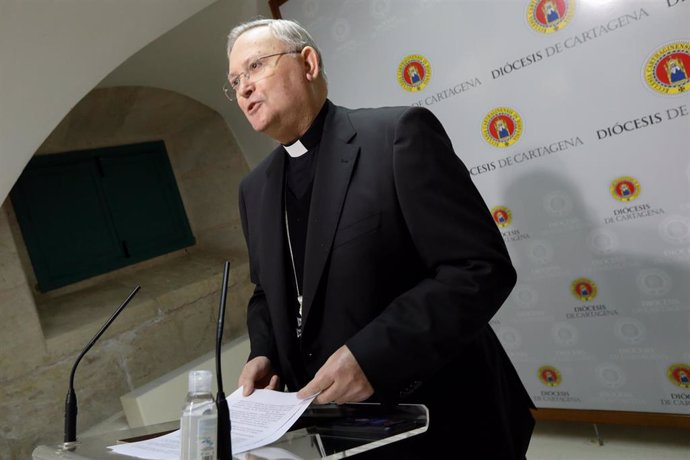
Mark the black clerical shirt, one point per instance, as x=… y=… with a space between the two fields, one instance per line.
x=299 y=178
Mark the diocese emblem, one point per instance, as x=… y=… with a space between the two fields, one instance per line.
x=668 y=70
x=414 y=72
x=502 y=216
x=584 y=289
x=679 y=374
x=625 y=188
x=549 y=376
x=502 y=127
x=547 y=16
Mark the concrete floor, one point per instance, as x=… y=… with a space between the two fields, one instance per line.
x=578 y=441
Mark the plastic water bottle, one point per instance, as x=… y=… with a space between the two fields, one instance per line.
x=199 y=421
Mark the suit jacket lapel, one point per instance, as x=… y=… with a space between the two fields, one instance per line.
x=273 y=247
x=335 y=163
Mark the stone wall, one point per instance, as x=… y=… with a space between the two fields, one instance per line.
x=171 y=320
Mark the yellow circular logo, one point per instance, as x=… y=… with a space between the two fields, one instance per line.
x=679 y=374
x=666 y=72
x=502 y=216
x=584 y=289
x=414 y=72
x=625 y=188
x=549 y=376
x=502 y=127
x=547 y=16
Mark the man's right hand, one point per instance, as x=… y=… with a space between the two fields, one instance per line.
x=258 y=373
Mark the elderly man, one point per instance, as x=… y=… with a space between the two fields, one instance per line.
x=376 y=262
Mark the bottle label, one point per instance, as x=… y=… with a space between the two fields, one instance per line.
x=206 y=441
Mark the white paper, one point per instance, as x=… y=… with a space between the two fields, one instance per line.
x=256 y=420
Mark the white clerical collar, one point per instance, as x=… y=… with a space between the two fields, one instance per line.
x=296 y=149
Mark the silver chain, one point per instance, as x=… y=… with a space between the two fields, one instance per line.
x=294 y=272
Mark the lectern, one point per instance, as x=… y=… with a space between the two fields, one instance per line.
x=322 y=432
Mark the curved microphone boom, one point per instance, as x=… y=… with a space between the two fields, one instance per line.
x=71 y=399
x=224 y=437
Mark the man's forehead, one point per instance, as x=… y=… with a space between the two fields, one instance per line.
x=253 y=42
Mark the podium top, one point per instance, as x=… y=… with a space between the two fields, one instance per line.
x=322 y=432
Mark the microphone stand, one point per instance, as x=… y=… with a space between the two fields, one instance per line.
x=70 y=438
x=224 y=439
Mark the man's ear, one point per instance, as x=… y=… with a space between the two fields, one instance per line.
x=311 y=63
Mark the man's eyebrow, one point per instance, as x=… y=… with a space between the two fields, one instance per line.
x=247 y=61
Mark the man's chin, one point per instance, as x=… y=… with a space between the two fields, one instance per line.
x=265 y=128
x=260 y=126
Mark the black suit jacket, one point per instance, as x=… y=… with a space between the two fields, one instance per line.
x=403 y=263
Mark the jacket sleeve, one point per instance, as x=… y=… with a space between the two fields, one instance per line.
x=468 y=272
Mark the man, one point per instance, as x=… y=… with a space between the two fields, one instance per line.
x=376 y=262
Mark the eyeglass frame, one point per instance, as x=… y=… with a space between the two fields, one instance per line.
x=231 y=92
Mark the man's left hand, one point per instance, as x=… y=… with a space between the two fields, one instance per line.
x=339 y=380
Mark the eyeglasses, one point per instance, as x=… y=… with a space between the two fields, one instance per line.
x=255 y=71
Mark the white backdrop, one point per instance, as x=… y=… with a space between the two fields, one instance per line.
x=573 y=119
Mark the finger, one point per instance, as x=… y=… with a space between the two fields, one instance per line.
x=306 y=392
x=311 y=389
x=321 y=399
x=328 y=395
x=273 y=384
x=247 y=388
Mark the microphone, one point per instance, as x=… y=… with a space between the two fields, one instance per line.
x=70 y=437
x=224 y=440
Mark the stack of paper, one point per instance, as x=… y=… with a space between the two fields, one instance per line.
x=257 y=420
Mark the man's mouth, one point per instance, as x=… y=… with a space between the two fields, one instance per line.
x=252 y=106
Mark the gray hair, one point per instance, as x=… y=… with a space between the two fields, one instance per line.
x=289 y=32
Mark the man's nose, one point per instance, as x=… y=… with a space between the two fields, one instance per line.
x=246 y=87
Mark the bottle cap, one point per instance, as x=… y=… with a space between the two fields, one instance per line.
x=200 y=381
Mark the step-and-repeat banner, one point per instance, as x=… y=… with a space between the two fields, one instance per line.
x=573 y=118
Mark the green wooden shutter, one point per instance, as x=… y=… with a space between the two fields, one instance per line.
x=89 y=212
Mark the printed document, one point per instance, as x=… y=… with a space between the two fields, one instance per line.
x=256 y=420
